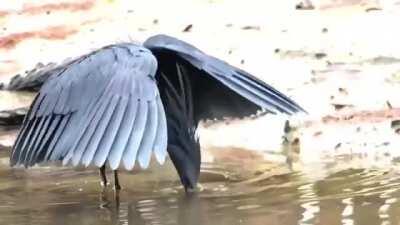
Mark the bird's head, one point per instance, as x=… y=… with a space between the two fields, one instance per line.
x=185 y=154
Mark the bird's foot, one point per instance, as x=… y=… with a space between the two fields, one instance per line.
x=116 y=197
x=104 y=203
x=104 y=184
x=190 y=190
x=117 y=187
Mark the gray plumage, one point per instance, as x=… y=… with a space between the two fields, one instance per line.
x=97 y=94
x=123 y=102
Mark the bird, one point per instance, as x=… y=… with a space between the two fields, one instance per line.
x=126 y=102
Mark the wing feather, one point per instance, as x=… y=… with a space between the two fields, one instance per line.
x=27 y=140
x=59 y=132
x=33 y=139
x=160 y=143
x=146 y=145
x=124 y=133
x=55 y=120
x=110 y=134
x=39 y=138
x=241 y=82
x=137 y=132
x=26 y=127
x=102 y=116
x=242 y=90
x=94 y=109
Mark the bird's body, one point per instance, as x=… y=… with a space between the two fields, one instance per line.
x=123 y=102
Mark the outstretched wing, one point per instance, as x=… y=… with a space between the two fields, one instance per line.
x=104 y=106
x=218 y=100
x=195 y=86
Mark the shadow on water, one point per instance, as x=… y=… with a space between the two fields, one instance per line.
x=57 y=195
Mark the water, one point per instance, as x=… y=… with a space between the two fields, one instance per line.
x=270 y=195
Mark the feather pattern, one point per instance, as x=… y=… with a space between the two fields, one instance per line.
x=137 y=131
x=239 y=81
x=146 y=145
x=96 y=109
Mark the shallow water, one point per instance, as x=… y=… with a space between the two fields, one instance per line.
x=57 y=195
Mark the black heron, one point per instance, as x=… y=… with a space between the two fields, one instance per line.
x=123 y=102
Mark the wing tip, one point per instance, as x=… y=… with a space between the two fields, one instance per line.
x=297 y=111
x=114 y=165
x=127 y=165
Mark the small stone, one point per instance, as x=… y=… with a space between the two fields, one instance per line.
x=343 y=91
x=320 y=55
x=188 y=28
x=373 y=9
x=304 y=6
x=389 y=105
x=395 y=123
x=318 y=133
x=251 y=28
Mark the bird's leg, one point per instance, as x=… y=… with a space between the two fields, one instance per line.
x=103 y=176
x=116 y=198
x=104 y=203
x=116 y=181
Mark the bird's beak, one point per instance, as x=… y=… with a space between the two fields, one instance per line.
x=187 y=164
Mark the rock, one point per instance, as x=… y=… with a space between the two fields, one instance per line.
x=341 y=106
x=305 y=5
x=320 y=55
x=188 y=28
x=389 y=105
x=12 y=117
x=318 y=133
x=395 y=125
x=343 y=91
x=373 y=9
x=251 y=28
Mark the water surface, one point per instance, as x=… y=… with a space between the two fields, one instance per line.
x=57 y=195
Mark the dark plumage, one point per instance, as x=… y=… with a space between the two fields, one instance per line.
x=122 y=102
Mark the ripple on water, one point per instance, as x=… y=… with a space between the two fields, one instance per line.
x=57 y=195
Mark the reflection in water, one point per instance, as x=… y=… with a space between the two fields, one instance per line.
x=154 y=211
x=311 y=208
x=65 y=196
x=348 y=211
